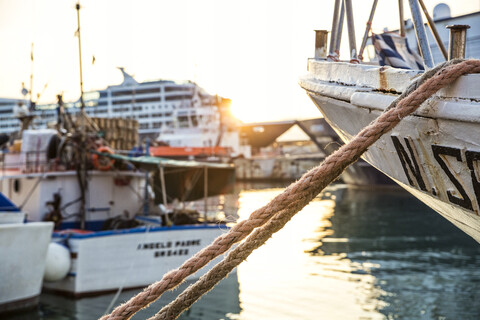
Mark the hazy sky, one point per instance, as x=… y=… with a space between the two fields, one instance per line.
x=251 y=51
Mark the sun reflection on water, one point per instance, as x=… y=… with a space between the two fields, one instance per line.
x=356 y=253
x=288 y=278
x=350 y=254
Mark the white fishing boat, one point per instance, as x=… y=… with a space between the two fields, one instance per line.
x=433 y=153
x=23 y=248
x=117 y=224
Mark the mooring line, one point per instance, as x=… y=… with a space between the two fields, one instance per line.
x=283 y=207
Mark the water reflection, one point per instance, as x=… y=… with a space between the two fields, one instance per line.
x=218 y=302
x=423 y=266
x=349 y=254
x=360 y=254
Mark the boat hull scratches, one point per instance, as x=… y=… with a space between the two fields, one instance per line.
x=431 y=158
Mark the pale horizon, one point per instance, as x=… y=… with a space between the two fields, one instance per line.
x=249 y=51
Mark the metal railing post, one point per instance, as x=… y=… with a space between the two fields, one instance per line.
x=367 y=30
x=333 y=34
x=205 y=194
x=338 y=36
x=351 y=31
x=146 y=204
x=432 y=27
x=421 y=34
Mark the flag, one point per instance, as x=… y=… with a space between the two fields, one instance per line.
x=393 y=50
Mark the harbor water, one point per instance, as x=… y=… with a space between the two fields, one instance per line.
x=352 y=253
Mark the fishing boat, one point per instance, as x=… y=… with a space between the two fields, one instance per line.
x=117 y=223
x=23 y=248
x=122 y=220
x=433 y=153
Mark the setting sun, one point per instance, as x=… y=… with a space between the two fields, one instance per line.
x=242 y=113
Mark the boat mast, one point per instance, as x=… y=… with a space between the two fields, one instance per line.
x=31 y=78
x=82 y=168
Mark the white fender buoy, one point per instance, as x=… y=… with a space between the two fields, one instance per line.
x=58 y=262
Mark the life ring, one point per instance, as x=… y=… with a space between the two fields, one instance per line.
x=103 y=163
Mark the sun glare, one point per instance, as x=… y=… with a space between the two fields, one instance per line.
x=241 y=112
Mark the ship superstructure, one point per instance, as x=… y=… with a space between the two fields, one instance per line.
x=180 y=114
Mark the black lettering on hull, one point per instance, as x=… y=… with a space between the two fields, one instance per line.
x=415 y=174
x=464 y=201
x=409 y=163
x=472 y=157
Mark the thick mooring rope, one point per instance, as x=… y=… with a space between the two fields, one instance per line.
x=283 y=207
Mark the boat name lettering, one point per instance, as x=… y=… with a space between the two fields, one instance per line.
x=464 y=189
x=154 y=245
x=170 y=253
x=167 y=244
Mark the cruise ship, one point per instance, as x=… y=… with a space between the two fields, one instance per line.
x=178 y=114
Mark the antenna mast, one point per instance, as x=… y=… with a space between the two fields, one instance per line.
x=82 y=104
x=31 y=77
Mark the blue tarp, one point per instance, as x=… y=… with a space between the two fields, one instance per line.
x=7 y=205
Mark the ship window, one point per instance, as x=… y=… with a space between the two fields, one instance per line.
x=194 y=121
x=178 y=88
x=130 y=101
x=135 y=92
x=179 y=97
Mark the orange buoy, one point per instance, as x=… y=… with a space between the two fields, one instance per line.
x=103 y=163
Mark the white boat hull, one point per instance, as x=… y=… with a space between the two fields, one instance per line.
x=23 y=249
x=108 y=260
x=434 y=153
x=107 y=197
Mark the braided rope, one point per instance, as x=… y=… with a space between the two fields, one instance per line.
x=285 y=205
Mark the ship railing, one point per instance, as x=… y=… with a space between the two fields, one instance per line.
x=343 y=10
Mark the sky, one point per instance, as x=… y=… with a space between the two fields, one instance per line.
x=251 y=51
